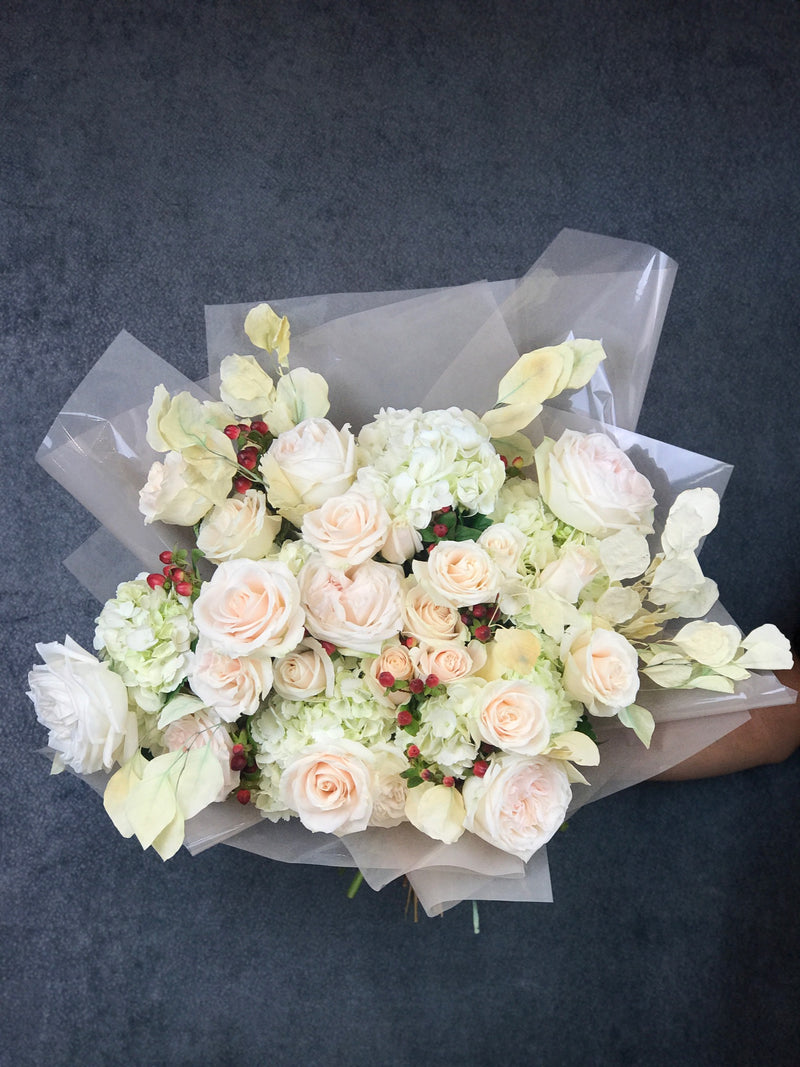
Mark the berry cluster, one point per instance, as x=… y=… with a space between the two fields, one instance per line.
x=481 y=620
x=178 y=573
x=252 y=440
x=242 y=761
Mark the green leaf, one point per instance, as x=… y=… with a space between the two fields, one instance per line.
x=118 y=787
x=640 y=721
x=171 y=838
x=151 y=805
x=177 y=707
x=200 y=781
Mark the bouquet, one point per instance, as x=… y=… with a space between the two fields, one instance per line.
x=411 y=647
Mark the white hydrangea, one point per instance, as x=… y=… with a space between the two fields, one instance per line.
x=145 y=634
x=444 y=735
x=417 y=462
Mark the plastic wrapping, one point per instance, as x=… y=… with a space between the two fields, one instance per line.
x=433 y=348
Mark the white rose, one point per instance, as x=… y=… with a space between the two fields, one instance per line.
x=505 y=544
x=240 y=527
x=519 y=803
x=250 y=605
x=357 y=609
x=588 y=482
x=305 y=672
x=245 y=386
x=305 y=466
x=203 y=728
x=449 y=663
x=84 y=705
x=460 y=572
x=429 y=620
x=231 y=685
x=330 y=787
x=436 y=810
x=568 y=574
x=601 y=669
x=347 y=529
x=513 y=716
x=168 y=496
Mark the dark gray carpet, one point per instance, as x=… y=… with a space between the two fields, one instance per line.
x=158 y=156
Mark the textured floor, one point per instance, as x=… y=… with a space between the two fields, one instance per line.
x=157 y=157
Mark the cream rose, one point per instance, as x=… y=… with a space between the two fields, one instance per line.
x=395 y=660
x=429 y=620
x=330 y=787
x=305 y=466
x=203 y=728
x=347 y=529
x=389 y=789
x=231 y=685
x=588 y=482
x=357 y=609
x=250 y=605
x=505 y=544
x=84 y=706
x=239 y=528
x=305 y=672
x=519 y=803
x=169 y=495
x=402 y=542
x=460 y=572
x=600 y=670
x=513 y=716
x=450 y=663
x=436 y=810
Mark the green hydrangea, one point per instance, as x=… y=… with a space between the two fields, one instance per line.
x=145 y=635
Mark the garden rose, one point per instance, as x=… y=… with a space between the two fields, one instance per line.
x=84 y=706
x=600 y=670
x=330 y=787
x=357 y=609
x=305 y=466
x=460 y=572
x=250 y=605
x=239 y=527
x=588 y=482
x=231 y=685
x=519 y=803
x=347 y=529
x=513 y=716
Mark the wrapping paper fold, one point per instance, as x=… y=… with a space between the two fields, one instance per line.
x=429 y=349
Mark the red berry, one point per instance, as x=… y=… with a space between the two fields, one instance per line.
x=165 y=556
x=448 y=780
x=244 y=427
x=466 y=618
x=232 y=431
x=243 y=796
x=425 y=774
x=416 y=685
x=445 y=510
x=386 y=679
x=183 y=588
x=238 y=761
x=440 y=530
x=176 y=574
x=241 y=484
x=155 y=580
x=431 y=681
x=412 y=751
x=248 y=458
x=328 y=647
x=404 y=717
x=483 y=633
x=410 y=642
x=480 y=767
x=259 y=426
x=479 y=611
x=238 y=748
x=505 y=461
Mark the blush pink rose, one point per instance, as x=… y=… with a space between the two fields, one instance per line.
x=347 y=529
x=330 y=787
x=357 y=609
x=601 y=669
x=512 y=715
x=460 y=572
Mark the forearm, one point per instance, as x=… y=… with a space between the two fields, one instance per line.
x=770 y=736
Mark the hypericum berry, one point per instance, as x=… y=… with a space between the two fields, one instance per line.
x=238 y=761
x=155 y=580
x=404 y=717
x=176 y=574
x=329 y=647
x=465 y=618
x=483 y=633
x=183 y=588
x=479 y=611
x=440 y=530
x=244 y=427
x=431 y=681
x=517 y=461
x=259 y=426
x=410 y=642
x=386 y=679
x=480 y=767
x=416 y=685
x=232 y=431
x=425 y=774
x=243 y=796
x=504 y=461
x=248 y=458
x=165 y=556
x=237 y=749
x=241 y=484
x=412 y=751
x=445 y=510
x=448 y=780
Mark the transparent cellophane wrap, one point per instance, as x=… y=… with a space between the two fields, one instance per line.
x=431 y=349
